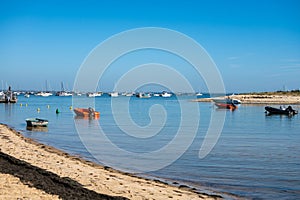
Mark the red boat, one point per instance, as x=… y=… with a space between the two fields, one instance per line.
x=86 y=112
x=226 y=106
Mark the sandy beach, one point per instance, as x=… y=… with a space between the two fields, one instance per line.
x=30 y=170
x=261 y=99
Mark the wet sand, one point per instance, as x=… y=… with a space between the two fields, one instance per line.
x=261 y=99
x=30 y=170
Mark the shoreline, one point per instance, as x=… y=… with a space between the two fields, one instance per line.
x=260 y=99
x=32 y=170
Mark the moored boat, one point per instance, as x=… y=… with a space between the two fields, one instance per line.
x=94 y=94
x=8 y=97
x=166 y=94
x=281 y=111
x=114 y=94
x=143 y=95
x=230 y=106
x=86 y=112
x=36 y=122
x=225 y=103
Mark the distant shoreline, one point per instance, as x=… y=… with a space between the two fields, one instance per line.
x=263 y=98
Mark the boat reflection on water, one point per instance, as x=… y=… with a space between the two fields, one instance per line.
x=87 y=117
x=37 y=129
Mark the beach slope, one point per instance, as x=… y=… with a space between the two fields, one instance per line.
x=30 y=170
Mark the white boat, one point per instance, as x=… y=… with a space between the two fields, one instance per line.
x=143 y=95
x=114 y=94
x=236 y=101
x=199 y=94
x=94 y=94
x=44 y=94
x=166 y=94
x=128 y=94
x=64 y=94
x=27 y=95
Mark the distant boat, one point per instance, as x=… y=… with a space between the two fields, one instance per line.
x=43 y=94
x=63 y=93
x=36 y=122
x=94 y=94
x=8 y=97
x=281 y=111
x=199 y=94
x=129 y=94
x=165 y=94
x=143 y=95
x=114 y=94
x=46 y=93
x=27 y=95
x=86 y=112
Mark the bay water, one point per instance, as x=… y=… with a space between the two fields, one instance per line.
x=256 y=156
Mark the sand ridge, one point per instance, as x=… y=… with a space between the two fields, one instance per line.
x=30 y=170
x=259 y=99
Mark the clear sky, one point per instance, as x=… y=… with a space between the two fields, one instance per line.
x=255 y=44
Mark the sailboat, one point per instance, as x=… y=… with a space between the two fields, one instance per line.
x=46 y=93
x=63 y=93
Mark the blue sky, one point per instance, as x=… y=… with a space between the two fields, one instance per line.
x=255 y=44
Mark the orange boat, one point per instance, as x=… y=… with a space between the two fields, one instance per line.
x=86 y=112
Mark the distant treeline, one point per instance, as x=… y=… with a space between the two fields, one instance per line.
x=279 y=92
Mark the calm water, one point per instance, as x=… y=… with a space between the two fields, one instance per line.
x=256 y=156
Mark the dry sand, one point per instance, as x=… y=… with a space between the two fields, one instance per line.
x=30 y=170
x=261 y=99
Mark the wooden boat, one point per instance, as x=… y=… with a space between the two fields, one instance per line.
x=36 y=122
x=86 y=112
x=280 y=111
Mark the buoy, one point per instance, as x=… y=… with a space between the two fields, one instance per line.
x=48 y=106
x=26 y=104
x=38 y=109
x=57 y=111
x=21 y=105
x=71 y=107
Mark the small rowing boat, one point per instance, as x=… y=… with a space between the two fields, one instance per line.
x=36 y=122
